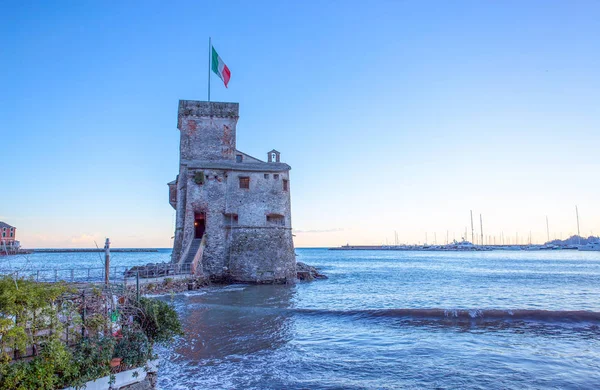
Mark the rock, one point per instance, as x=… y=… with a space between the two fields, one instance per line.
x=308 y=273
x=151 y=270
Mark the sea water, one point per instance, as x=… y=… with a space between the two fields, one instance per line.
x=390 y=320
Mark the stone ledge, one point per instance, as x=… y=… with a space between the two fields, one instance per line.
x=195 y=108
x=235 y=166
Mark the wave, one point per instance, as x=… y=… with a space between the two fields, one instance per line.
x=466 y=314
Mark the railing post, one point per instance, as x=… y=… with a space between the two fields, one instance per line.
x=37 y=276
x=55 y=275
x=106 y=260
x=137 y=285
x=72 y=275
x=88 y=274
x=83 y=311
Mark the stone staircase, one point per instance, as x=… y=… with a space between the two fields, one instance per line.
x=194 y=246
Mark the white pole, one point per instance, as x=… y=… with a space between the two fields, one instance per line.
x=578 y=233
x=472 y=230
x=481 y=227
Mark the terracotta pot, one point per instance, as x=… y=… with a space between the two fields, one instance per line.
x=115 y=362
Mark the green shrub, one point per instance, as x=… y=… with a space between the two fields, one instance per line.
x=158 y=320
x=134 y=347
x=199 y=177
x=52 y=369
x=28 y=304
x=27 y=307
x=92 y=358
x=95 y=323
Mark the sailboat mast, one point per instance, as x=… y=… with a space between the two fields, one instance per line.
x=481 y=227
x=547 y=229
x=578 y=234
x=472 y=230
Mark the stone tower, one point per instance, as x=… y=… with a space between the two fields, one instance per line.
x=233 y=210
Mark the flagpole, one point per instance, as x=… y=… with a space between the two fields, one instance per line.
x=209 y=63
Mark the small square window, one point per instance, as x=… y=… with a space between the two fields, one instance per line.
x=276 y=219
x=285 y=185
x=231 y=219
x=276 y=176
x=239 y=158
x=266 y=175
x=245 y=182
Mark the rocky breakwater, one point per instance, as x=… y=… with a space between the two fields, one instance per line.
x=307 y=273
x=155 y=270
x=304 y=272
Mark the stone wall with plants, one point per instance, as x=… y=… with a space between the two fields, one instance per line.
x=54 y=336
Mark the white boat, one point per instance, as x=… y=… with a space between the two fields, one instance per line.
x=591 y=246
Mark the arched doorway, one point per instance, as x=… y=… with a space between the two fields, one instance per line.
x=199 y=225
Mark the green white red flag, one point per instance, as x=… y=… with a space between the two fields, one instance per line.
x=219 y=67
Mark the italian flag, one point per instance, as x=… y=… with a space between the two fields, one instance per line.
x=219 y=67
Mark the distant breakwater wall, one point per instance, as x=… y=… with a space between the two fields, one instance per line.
x=447 y=248
x=84 y=250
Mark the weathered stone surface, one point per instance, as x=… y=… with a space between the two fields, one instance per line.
x=248 y=230
x=152 y=270
x=262 y=255
x=307 y=273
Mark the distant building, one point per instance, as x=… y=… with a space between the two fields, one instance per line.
x=8 y=237
x=233 y=210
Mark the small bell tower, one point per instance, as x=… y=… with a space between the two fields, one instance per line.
x=274 y=156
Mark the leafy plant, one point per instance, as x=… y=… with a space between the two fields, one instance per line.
x=46 y=316
x=92 y=358
x=53 y=368
x=158 y=320
x=95 y=323
x=134 y=347
x=96 y=292
x=25 y=307
x=199 y=177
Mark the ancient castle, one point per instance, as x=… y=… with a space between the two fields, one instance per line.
x=233 y=211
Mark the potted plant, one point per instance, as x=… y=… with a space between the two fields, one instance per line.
x=115 y=362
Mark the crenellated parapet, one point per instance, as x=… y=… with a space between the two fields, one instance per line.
x=194 y=108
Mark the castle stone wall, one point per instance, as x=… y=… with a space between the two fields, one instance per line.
x=258 y=246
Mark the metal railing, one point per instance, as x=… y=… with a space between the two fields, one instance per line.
x=116 y=274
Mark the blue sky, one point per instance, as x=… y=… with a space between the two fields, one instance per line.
x=395 y=116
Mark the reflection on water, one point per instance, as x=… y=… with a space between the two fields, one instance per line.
x=410 y=321
x=230 y=322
